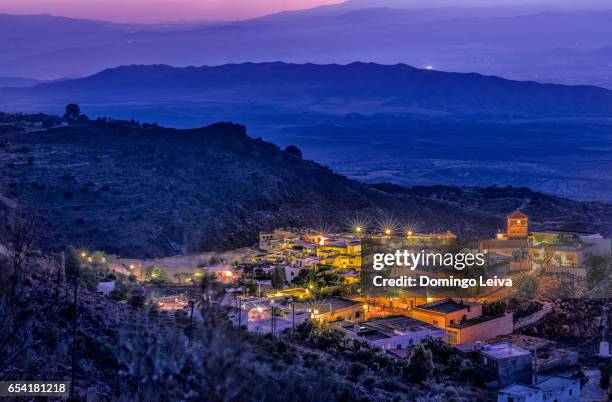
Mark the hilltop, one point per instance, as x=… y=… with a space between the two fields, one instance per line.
x=152 y=191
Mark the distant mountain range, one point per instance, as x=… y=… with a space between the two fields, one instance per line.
x=530 y=42
x=335 y=89
x=371 y=122
x=150 y=191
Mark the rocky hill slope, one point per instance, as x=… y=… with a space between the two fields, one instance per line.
x=150 y=191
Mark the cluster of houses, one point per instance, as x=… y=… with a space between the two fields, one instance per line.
x=406 y=322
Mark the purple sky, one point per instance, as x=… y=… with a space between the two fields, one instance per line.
x=156 y=10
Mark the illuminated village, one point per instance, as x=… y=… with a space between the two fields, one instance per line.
x=296 y=276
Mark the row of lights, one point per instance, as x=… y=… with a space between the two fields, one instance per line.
x=387 y=231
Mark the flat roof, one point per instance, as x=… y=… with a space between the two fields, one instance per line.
x=519 y=389
x=446 y=306
x=399 y=323
x=555 y=382
x=503 y=350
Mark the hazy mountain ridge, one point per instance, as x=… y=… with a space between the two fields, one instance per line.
x=155 y=191
x=535 y=42
x=386 y=88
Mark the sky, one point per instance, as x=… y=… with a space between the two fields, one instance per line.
x=148 y=11
x=156 y=10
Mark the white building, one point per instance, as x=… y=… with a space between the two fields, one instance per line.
x=104 y=288
x=397 y=332
x=550 y=389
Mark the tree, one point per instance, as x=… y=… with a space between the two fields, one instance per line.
x=72 y=111
x=209 y=285
x=18 y=238
x=278 y=278
x=304 y=278
x=156 y=275
x=121 y=290
x=526 y=286
x=72 y=263
x=605 y=369
x=598 y=275
x=180 y=276
x=420 y=364
x=293 y=150
x=494 y=308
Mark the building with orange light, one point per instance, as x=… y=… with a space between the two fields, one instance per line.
x=517 y=226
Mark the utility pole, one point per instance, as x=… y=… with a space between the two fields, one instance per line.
x=74 y=332
x=191 y=304
x=293 y=320
x=273 y=321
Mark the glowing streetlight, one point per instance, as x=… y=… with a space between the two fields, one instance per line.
x=387 y=232
x=358 y=229
x=83 y=254
x=410 y=233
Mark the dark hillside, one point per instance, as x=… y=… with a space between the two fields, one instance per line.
x=151 y=191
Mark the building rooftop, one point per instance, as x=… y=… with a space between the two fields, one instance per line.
x=517 y=215
x=554 y=383
x=446 y=306
x=519 y=390
x=398 y=323
x=503 y=350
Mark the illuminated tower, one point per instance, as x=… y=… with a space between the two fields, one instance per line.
x=518 y=225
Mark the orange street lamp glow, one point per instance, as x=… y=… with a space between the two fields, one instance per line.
x=358 y=229
x=83 y=254
x=410 y=233
x=387 y=232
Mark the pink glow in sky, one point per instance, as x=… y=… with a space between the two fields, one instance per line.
x=156 y=10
